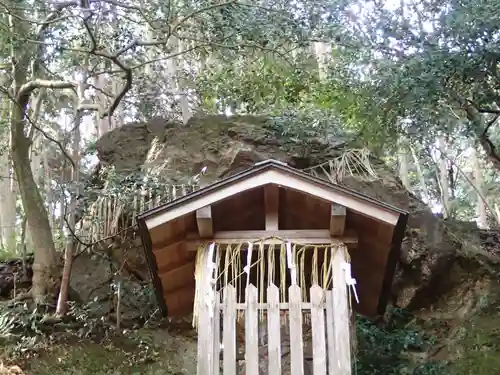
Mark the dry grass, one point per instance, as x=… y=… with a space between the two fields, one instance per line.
x=10 y=370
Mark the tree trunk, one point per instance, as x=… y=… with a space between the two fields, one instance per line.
x=443 y=177
x=45 y=267
x=35 y=152
x=102 y=124
x=403 y=170
x=403 y=163
x=323 y=53
x=482 y=217
x=480 y=125
x=423 y=185
x=176 y=82
x=22 y=246
x=8 y=189
x=62 y=305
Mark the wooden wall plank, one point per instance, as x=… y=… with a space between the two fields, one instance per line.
x=179 y=259
x=178 y=277
x=273 y=330
x=180 y=301
x=244 y=211
x=251 y=332
x=229 y=331
x=296 y=343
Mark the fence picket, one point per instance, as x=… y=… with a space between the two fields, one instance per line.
x=150 y=198
x=216 y=336
x=134 y=209
x=273 y=329
x=332 y=362
x=330 y=354
x=318 y=330
x=341 y=315
x=296 y=343
x=251 y=332
x=203 y=332
x=229 y=331
x=206 y=322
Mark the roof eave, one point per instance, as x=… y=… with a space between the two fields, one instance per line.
x=259 y=168
x=152 y=265
x=392 y=261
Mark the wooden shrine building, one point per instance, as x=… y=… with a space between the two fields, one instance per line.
x=271 y=229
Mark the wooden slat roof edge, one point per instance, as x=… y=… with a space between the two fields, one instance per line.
x=261 y=167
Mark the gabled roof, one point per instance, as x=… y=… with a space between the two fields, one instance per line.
x=375 y=213
x=275 y=172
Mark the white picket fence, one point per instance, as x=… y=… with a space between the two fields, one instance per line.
x=329 y=315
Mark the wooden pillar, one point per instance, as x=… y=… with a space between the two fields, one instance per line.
x=271 y=199
x=204 y=222
x=337 y=220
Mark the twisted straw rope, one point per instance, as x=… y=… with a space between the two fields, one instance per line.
x=232 y=258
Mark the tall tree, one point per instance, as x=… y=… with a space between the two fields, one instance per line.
x=46 y=47
x=434 y=61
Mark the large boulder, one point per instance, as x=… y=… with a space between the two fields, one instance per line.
x=226 y=145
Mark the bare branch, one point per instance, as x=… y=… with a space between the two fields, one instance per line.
x=243 y=45
x=490 y=124
x=105 y=93
x=477 y=118
x=28 y=87
x=480 y=109
x=170 y=56
x=32 y=123
x=50 y=20
x=121 y=5
x=36 y=112
x=478 y=191
x=93 y=42
x=199 y=11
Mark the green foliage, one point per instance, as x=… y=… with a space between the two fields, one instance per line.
x=6 y=326
x=259 y=83
x=416 y=71
x=387 y=350
x=7 y=254
x=479 y=350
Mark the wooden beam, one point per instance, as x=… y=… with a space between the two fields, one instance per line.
x=284 y=234
x=313 y=236
x=337 y=220
x=271 y=199
x=204 y=222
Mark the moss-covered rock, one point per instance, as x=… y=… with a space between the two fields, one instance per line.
x=445 y=267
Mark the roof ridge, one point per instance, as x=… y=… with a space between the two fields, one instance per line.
x=271 y=161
